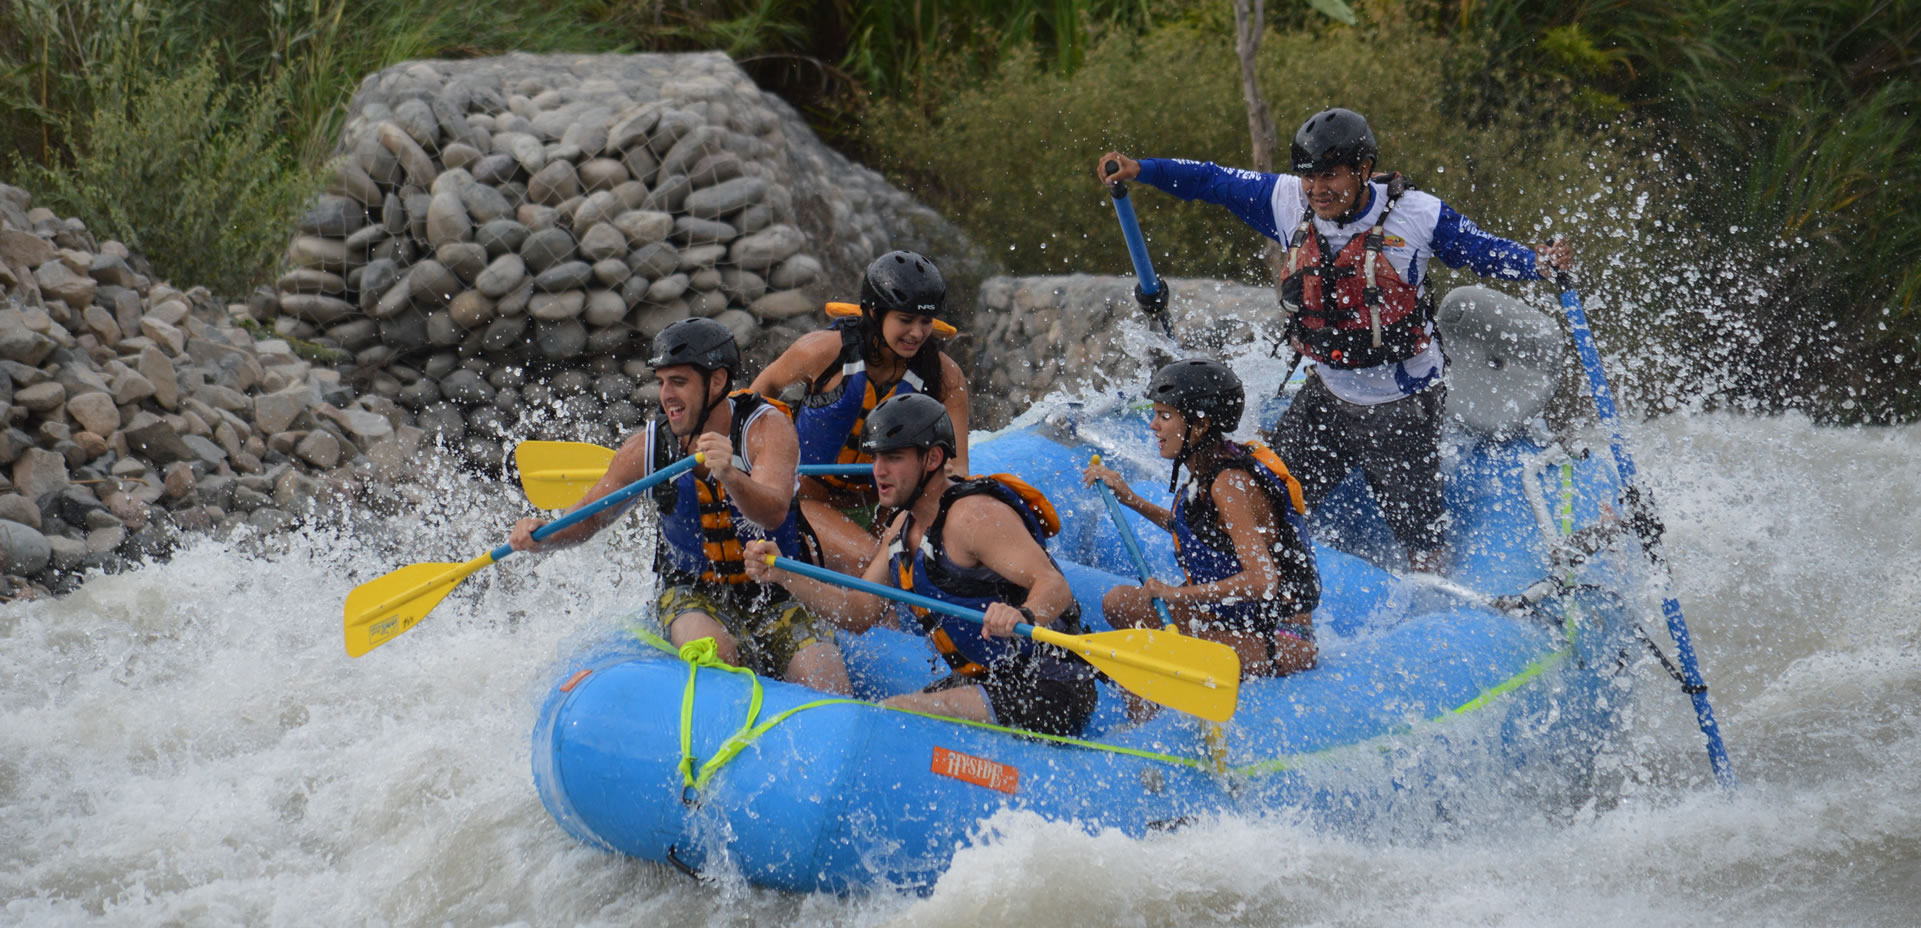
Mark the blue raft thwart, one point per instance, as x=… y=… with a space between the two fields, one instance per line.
x=676 y=759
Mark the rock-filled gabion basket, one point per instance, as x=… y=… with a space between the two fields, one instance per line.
x=502 y=238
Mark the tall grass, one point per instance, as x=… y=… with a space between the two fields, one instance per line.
x=185 y=170
x=1792 y=126
x=1012 y=161
x=193 y=130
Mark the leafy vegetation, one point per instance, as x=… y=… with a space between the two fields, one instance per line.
x=1789 y=128
x=1742 y=175
x=186 y=172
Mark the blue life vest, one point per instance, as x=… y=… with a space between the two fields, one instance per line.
x=1206 y=552
x=702 y=533
x=830 y=421
x=929 y=572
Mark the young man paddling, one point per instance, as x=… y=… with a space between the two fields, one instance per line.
x=976 y=543
x=1356 y=302
x=743 y=491
x=1238 y=527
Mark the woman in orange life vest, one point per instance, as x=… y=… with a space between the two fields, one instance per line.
x=1239 y=529
x=890 y=347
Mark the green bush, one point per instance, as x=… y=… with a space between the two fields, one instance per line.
x=1790 y=127
x=193 y=131
x=1013 y=160
x=194 y=175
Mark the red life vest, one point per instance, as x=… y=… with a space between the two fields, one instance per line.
x=1374 y=317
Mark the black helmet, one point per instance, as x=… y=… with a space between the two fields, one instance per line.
x=911 y=420
x=1201 y=387
x=1332 y=137
x=703 y=343
x=905 y=282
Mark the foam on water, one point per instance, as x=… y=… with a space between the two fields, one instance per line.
x=188 y=744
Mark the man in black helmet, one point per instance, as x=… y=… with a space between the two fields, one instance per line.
x=1354 y=291
x=978 y=543
x=743 y=491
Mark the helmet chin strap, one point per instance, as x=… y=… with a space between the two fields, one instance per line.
x=921 y=487
x=1180 y=457
x=1363 y=198
x=706 y=409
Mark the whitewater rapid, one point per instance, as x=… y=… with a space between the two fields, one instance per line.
x=187 y=743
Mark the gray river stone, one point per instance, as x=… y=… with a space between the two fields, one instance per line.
x=561 y=340
x=494 y=170
x=568 y=275
x=690 y=230
x=669 y=193
x=726 y=197
x=602 y=242
x=654 y=260
x=766 y=248
x=554 y=307
x=501 y=276
x=432 y=284
x=501 y=236
x=447 y=220
x=333 y=215
x=23 y=550
x=546 y=248
x=644 y=227
x=553 y=184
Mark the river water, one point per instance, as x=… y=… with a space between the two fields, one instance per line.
x=188 y=744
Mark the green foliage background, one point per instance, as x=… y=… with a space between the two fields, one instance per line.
x=1741 y=176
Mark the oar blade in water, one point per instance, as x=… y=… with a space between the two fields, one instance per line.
x=1196 y=676
x=556 y=474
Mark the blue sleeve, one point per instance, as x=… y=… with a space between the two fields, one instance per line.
x=1458 y=241
x=1245 y=193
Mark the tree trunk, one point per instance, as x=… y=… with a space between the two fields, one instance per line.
x=1250 y=21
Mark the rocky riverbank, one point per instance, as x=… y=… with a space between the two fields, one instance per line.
x=136 y=411
x=500 y=239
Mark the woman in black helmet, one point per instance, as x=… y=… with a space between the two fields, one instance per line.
x=891 y=346
x=1355 y=301
x=1238 y=524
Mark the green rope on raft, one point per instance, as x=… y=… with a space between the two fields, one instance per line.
x=703 y=652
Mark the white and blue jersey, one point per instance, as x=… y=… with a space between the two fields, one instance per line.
x=1420 y=228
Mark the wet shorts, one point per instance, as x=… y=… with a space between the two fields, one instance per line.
x=1252 y=619
x=1397 y=445
x=1051 y=693
x=768 y=635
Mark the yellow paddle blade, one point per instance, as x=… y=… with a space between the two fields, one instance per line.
x=1198 y=677
x=379 y=610
x=556 y=474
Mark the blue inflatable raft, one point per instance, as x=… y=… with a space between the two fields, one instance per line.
x=1421 y=683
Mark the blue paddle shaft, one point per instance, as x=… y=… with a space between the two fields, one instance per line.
x=1136 y=246
x=836 y=470
x=1132 y=542
x=1638 y=505
x=836 y=578
x=619 y=497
